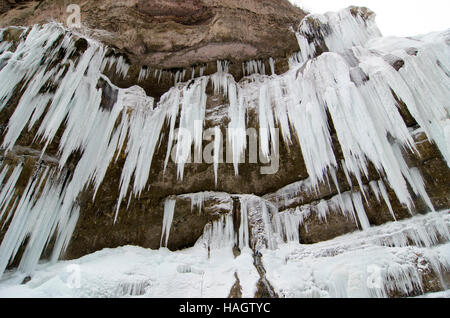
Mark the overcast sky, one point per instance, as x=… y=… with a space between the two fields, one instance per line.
x=394 y=17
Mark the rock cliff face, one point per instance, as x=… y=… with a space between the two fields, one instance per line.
x=88 y=120
x=200 y=32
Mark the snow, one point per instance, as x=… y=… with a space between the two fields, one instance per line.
x=340 y=267
x=136 y=272
x=442 y=294
x=363 y=264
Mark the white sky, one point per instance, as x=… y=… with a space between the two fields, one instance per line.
x=394 y=17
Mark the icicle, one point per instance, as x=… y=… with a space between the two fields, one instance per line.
x=244 y=235
x=144 y=131
x=39 y=213
x=385 y=196
x=268 y=230
x=266 y=121
x=197 y=200
x=217 y=149
x=25 y=61
x=172 y=98
x=362 y=216
x=122 y=66
x=160 y=75
x=347 y=206
x=223 y=66
x=179 y=75
x=7 y=190
x=290 y=225
x=322 y=210
x=192 y=118
x=419 y=187
x=143 y=74
x=272 y=66
x=375 y=189
x=347 y=175
x=254 y=67
x=237 y=126
x=169 y=210
x=220 y=233
x=132 y=288
x=310 y=122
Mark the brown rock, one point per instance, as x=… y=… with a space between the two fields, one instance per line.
x=174 y=33
x=236 y=290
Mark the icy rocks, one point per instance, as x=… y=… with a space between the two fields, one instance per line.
x=349 y=158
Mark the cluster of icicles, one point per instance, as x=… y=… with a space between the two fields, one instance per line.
x=352 y=83
x=256 y=217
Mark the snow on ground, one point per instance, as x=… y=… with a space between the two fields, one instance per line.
x=134 y=271
x=442 y=294
x=361 y=264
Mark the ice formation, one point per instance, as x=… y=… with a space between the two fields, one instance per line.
x=335 y=31
x=144 y=73
x=256 y=225
x=169 y=210
x=39 y=215
x=344 y=72
x=377 y=262
x=350 y=204
x=254 y=67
